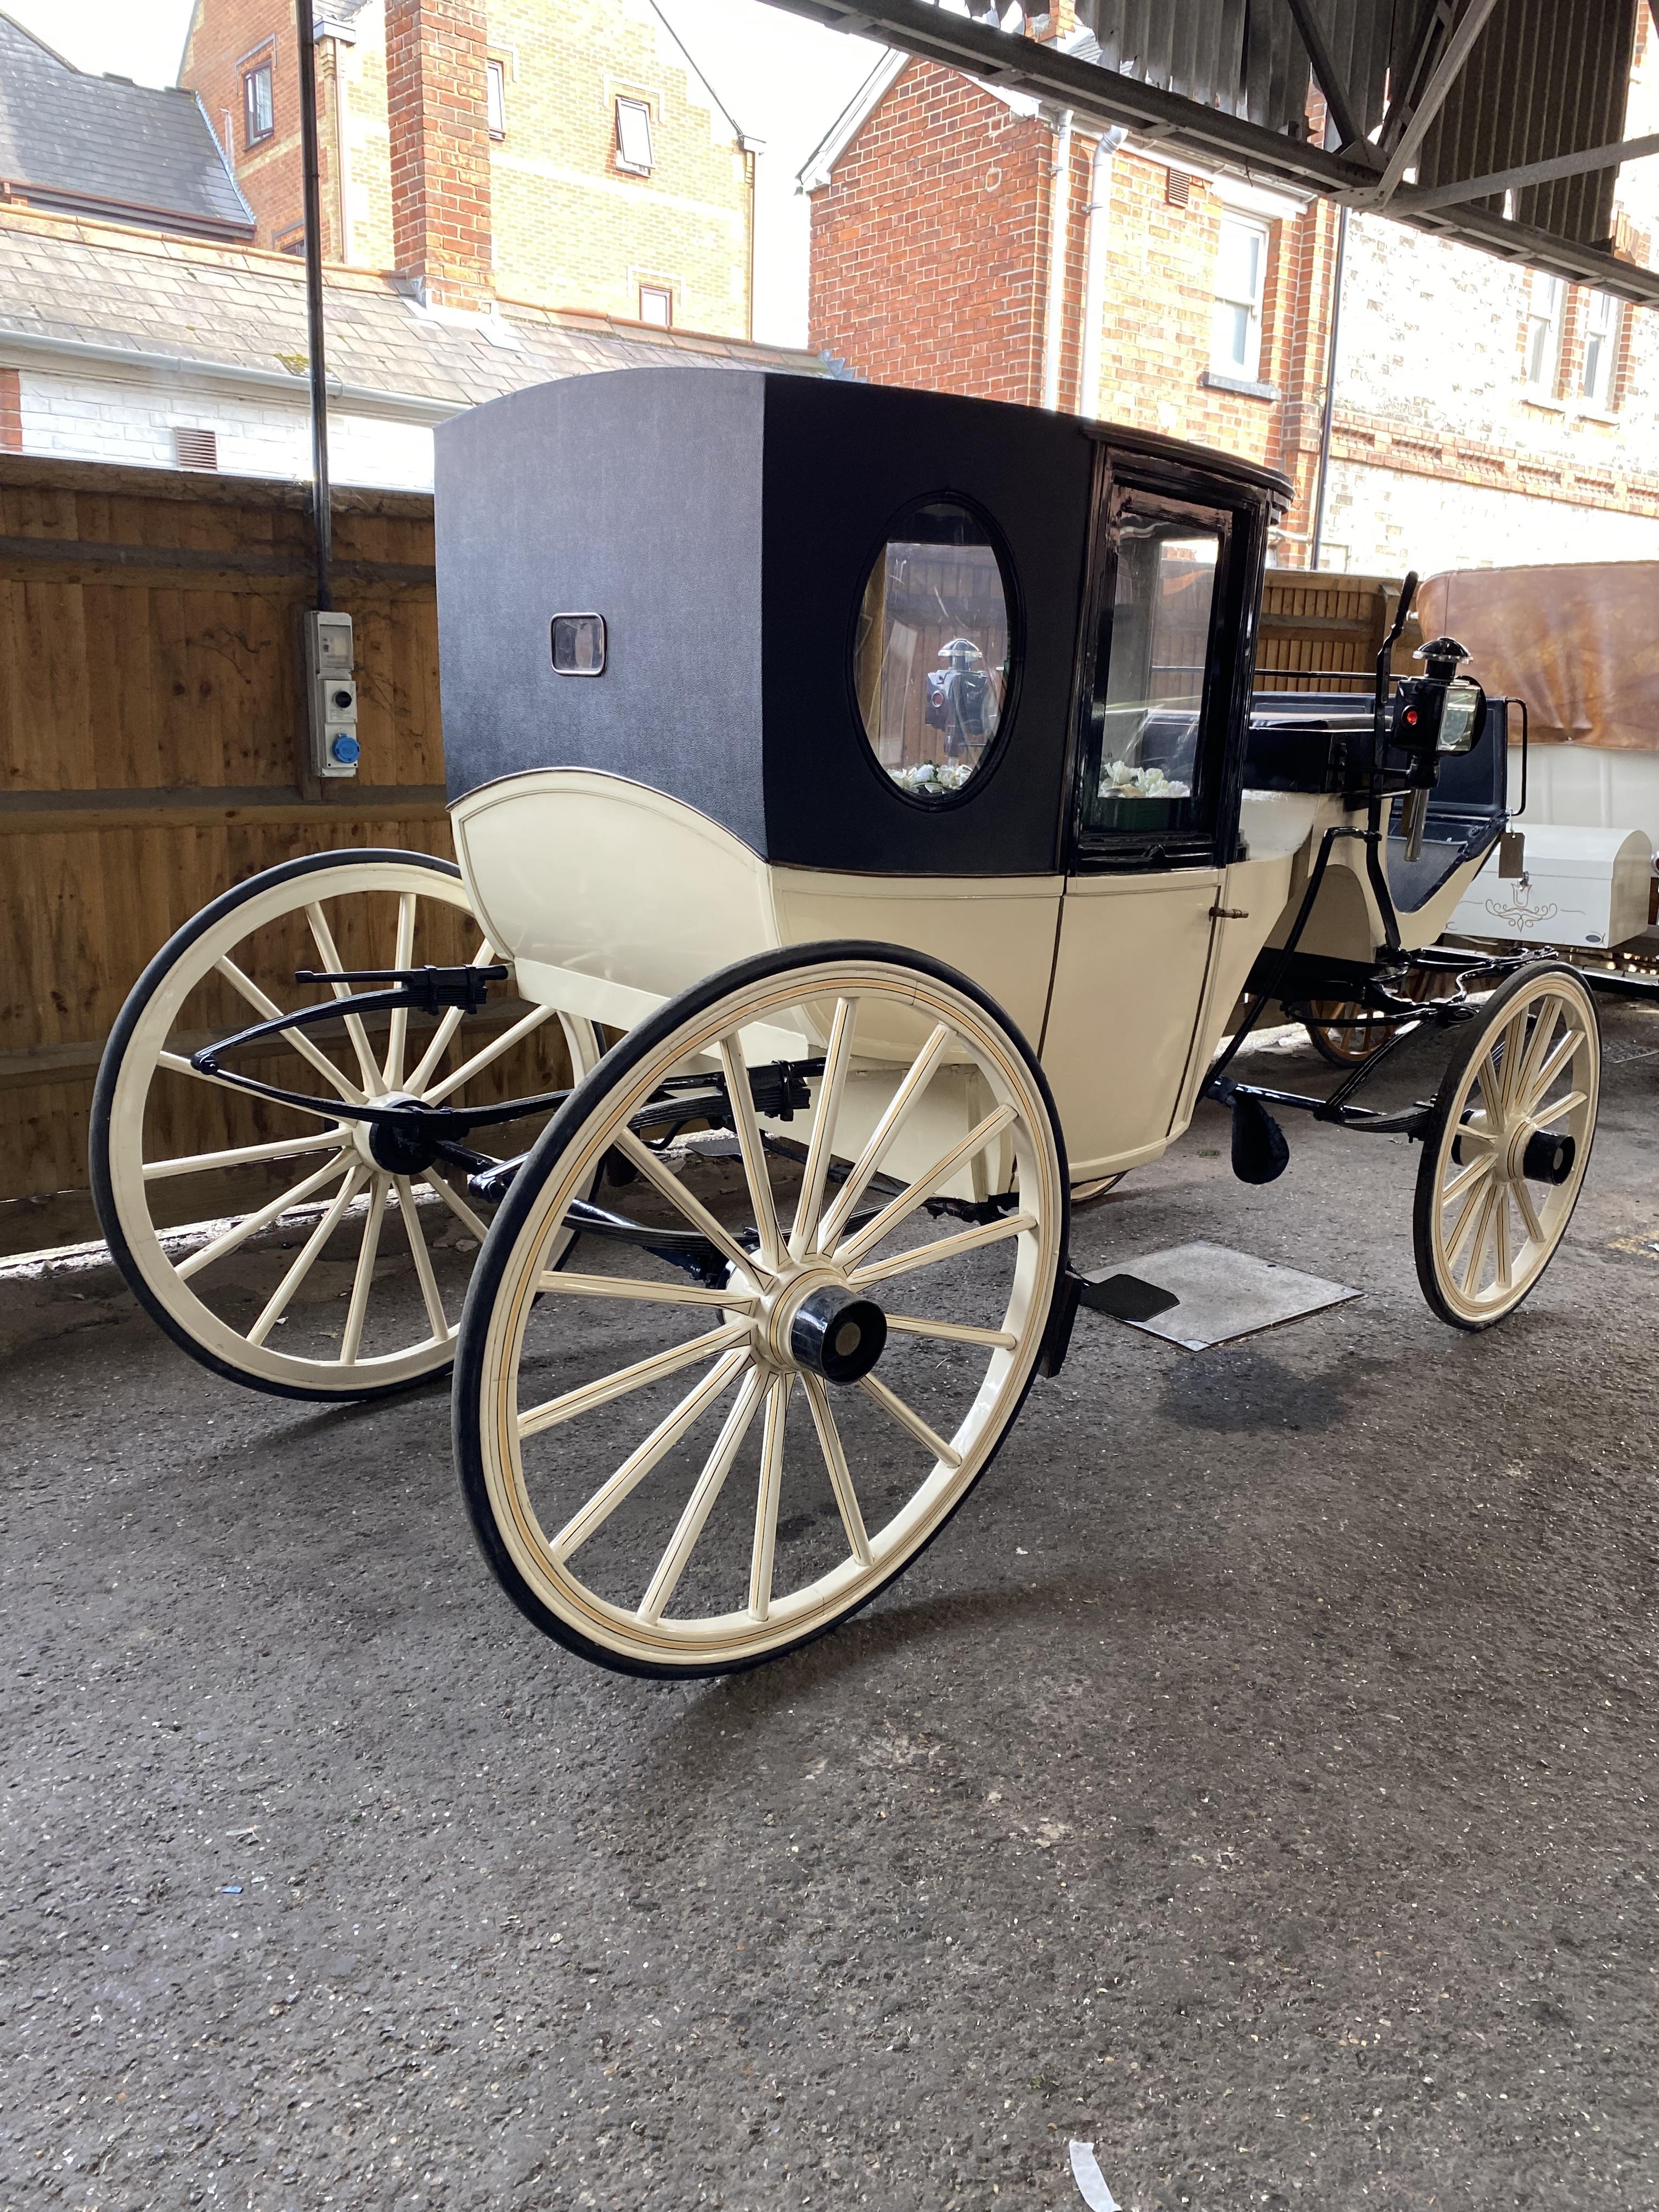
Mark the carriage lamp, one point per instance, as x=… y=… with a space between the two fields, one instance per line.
x=1437 y=713
x=960 y=699
x=330 y=693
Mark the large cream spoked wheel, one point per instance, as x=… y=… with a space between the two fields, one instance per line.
x=681 y=1476
x=269 y=1241
x=1504 y=1160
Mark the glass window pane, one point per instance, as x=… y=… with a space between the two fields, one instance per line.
x=932 y=651
x=633 y=134
x=1145 y=768
x=1230 y=342
x=495 y=97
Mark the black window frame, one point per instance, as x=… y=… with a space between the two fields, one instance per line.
x=265 y=67
x=1122 y=480
x=1002 y=552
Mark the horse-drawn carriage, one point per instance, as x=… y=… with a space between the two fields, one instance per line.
x=867 y=845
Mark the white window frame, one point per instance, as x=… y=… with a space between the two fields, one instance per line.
x=1546 y=309
x=264 y=67
x=636 y=153
x=1223 y=360
x=665 y=294
x=1603 y=327
x=495 y=97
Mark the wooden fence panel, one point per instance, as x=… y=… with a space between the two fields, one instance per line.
x=153 y=753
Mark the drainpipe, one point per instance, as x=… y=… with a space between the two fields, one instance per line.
x=1098 y=231
x=320 y=510
x=1330 y=389
x=752 y=149
x=1060 y=209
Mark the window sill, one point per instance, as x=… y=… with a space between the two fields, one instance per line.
x=1213 y=379
x=1570 y=411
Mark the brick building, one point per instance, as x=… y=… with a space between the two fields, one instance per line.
x=964 y=237
x=553 y=152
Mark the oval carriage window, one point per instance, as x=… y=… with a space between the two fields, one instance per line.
x=932 y=651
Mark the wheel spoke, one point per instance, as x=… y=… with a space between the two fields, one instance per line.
x=639 y=1462
x=1501 y=1238
x=591 y=1396
x=695 y=1213
x=925 y=1186
x=457 y=1204
x=327 y=953
x=452 y=1018
x=1544 y=1114
x=305 y=1257
x=1538 y=1044
x=1515 y=1032
x=280 y=1149
x=1529 y=1212
x=231 y=1239
x=907 y=1417
x=423 y=1258
x=403 y=955
x=645 y=1291
x=741 y=1099
x=351 y=1343
x=1464 y=1223
x=1466 y=1178
x=834 y=1460
x=952 y=1332
x=886 y=1129
x=700 y=1504
x=943 y=1248
x=1560 y=1058
x=1478 y=1246
x=766 y=1496
x=301 y=1043
x=493 y=1051
x=837 y=1059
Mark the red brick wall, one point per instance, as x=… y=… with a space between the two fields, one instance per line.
x=930 y=268
x=436 y=107
x=11 y=412
x=928 y=244
x=227 y=36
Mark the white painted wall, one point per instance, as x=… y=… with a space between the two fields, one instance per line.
x=78 y=417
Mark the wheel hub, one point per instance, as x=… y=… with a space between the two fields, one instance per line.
x=816 y=1320
x=402 y=1147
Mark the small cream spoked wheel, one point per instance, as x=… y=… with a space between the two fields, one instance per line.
x=685 y=1457
x=1504 y=1160
x=311 y=1270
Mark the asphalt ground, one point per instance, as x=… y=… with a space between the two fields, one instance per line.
x=1257 y=1781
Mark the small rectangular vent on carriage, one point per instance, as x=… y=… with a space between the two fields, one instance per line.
x=578 y=645
x=195 y=449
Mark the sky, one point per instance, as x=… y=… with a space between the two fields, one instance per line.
x=784 y=80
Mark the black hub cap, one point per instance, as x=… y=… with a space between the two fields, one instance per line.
x=1547 y=1158
x=838 y=1335
x=402 y=1147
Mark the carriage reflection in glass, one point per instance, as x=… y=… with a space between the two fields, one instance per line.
x=867 y=843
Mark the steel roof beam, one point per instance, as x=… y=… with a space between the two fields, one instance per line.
x=1331 y=83
x=1447 y=70
x=1531 y=172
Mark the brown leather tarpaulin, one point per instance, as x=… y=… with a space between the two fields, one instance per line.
x=1579 y=643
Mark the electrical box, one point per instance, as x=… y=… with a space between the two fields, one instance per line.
x=331 y=693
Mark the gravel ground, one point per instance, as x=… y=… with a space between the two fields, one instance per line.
x=1257 y=1781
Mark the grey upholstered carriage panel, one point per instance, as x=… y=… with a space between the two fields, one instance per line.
x=637 y=496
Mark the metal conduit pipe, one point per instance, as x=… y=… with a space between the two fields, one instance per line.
x=1059 y=210
x=1098 y=232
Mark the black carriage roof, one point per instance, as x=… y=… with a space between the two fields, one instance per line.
x=724 y=525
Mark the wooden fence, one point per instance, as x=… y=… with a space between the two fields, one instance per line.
x=153 y=749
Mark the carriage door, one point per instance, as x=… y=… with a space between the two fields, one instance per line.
x=1136 y=921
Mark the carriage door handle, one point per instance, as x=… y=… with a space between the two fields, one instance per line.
x=1229 y=914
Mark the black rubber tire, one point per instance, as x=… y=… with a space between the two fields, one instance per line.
x=485 y=1286
x=103 y=1102
x=1473 y=1042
